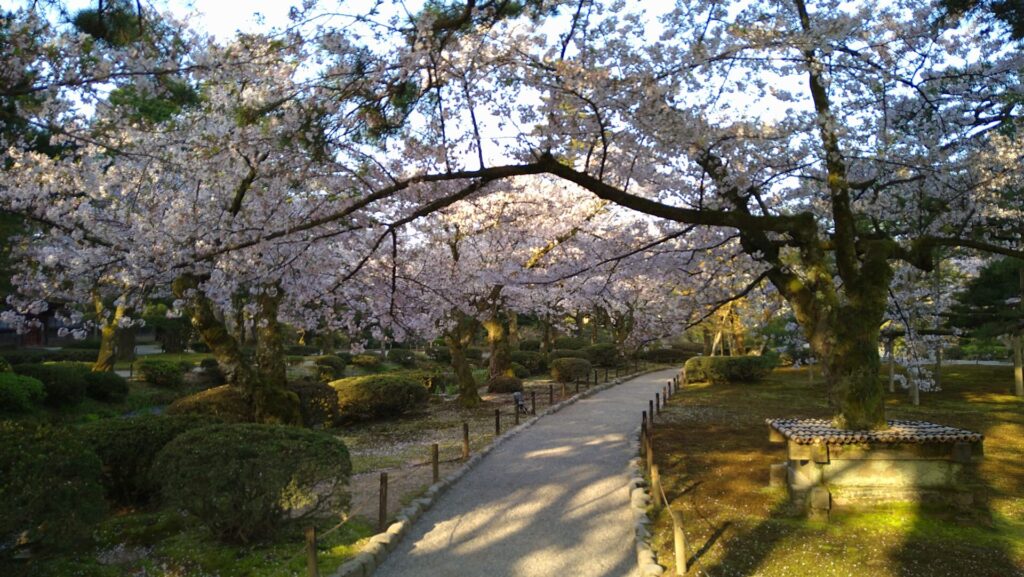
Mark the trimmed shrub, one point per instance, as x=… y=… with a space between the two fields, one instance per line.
x=318 y=402
x=534 y=362
x=529 y=345
x=160 y=373
x=604 y=354
x=673 y=355
x=31 y=356
x=379 y=396
x=302 y=350
x=568 y=369
x=5 y=367
x=403 y=357
x=50 y=491
x=226 y=403
x=20 y=394
x=439 y=352
x=440 y=382
x=92 y=345
x=127 y=448
x=519 y=370
x=504 y=384
x=199 y=347
x=64 y=383
x=367 y=362
x=108 y=387
x=329 y=368
x=571 y=343
x=717 y=370
x=567 y=354
x=246 y=482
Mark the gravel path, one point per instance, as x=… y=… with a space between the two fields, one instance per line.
x=551 y=501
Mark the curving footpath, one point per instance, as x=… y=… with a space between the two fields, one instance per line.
x=553 y=500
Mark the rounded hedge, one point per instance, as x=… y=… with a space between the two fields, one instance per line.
x=19 y=393
x=5 y=367
x=519 y=370
x=318 y=402
x=529 y=345
x=670 y=355
x=568 y=369
x=30 y=356
x=573 y=343
x=160 y=373
x=246 y=482
x=567 y=354
x=367 y=361
x=64 y=383
x=403 y=357
x=604 y=354
x=226 y=403
x=127 y=449
x=108 y=387
x=717 y=370
x=50 y=491
x=533 y=361
x=379 y=396
x=504 y=384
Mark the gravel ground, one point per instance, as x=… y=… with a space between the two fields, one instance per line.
x=551 y=501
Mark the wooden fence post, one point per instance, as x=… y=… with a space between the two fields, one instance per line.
x=497 y=422
x=551 y=395
x=383 y=515
x=533 y=402
x=311 y=562
x=435 y=461
x=515 y=419
x=657 y=402
x=465 y=440
x=650 y=407
x=606 y=374
x=679 y=539
x=656 y=486
x=650 y=449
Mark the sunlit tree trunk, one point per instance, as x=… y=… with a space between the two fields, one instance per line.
x=458 y=338
x=1018 y=345
x=108 y=336
x=513 y=330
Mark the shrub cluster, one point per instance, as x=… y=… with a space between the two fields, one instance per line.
x=504 y=384
x=64 y=383
x=160 y=373
x=568 y=369
x=318 y=402
x=671 y=355
x=519 y=370
x=567 y=354
x=439 y=352
x=330 y=367
x=127 y=448
x=367 y=361
x=199 y=347
x=246 y=482
x=747 y=369
x=529 y=345
x=20 y=394
x=534 y=362
x=5 y=367
x=302 y=350
x=50 y=491
x=226 y=403
x=571 y=343
x=108 y=387
x=403 y=357
x=32 y=356
x=604 y=354
x=379 y=396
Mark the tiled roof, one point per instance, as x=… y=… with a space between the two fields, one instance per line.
x=809 y=431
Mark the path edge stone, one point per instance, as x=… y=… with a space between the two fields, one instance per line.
x=373 y=553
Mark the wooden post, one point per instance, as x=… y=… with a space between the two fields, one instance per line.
x=680 y=541
x=435 y=461
x=562 y=396
x=465 y=440
x=643 y=435
x=577 y=385
x=383 y=515
x=533 y=402
x=551 y=394
x=668 y=388
x=515 y=412
x=657 y=402
x=664 y=396
x=656 y=486
x=311 y=564
x=650 y=448
x=650 y=411
x=606 y=374
x=497 y=422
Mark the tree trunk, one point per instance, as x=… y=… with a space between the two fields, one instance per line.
x=271 y=400
x=513 y=330
x=108 y=337
x=125 y=338
x=708 y=343
x=546 y=338
x=890 y=348
x=457 y=339
x=1018 y=365
x=500 y=362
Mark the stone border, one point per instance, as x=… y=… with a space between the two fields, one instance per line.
x=639 y=505
x=380 y=545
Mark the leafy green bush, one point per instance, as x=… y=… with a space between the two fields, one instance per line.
x=245 y=482
x=746 y=369
x=302 y=350
x=403 y=357
x=567 y=354
x=64 y=383
x=161 y=373
x=440 y=353
x=92 y=345
x=226 y=403
x=31 y=356
x=604 y=354
x=367 y=362
x=329 y=368
x=318 y=402
x=568 y=369
x=519 y=370
x=108 y=387
x=440 y=381
x=5 y=367
x=199 y=347
x=20 y=394
x=673 y=355
x=529 y=345
x=504 y=384
x=534 y=362
x=378 y=396
x=127 y=448
x=571 y=343
x=50 y=490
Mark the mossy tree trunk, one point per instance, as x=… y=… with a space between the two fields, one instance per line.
x=107 y=354
x=500 y=361
x=458 y=339
x=1017 y=342
x=513 y=330
x=271 y=400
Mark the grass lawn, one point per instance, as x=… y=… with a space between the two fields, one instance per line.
x=712 y=448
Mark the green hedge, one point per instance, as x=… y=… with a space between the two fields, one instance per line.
x=604 y=354
x=108 y=387
x=367 y=362
x=671 y=355
x=519 y=370
x=247 y=482
x=30 y=356
x=50 y=491
x=379 y=396
x=532 y=345
x=19 y=393
x=225 y=403
x=504 y=384
x=568 y=369
x=567 y=354
x=65 y=383
x=533 y=361
x=160 y=373
x=127 y=449
x=571 y=343
x=302 y=350
x=403 y=357
x=330 y=367
x=746 y=369
x=318 y=402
